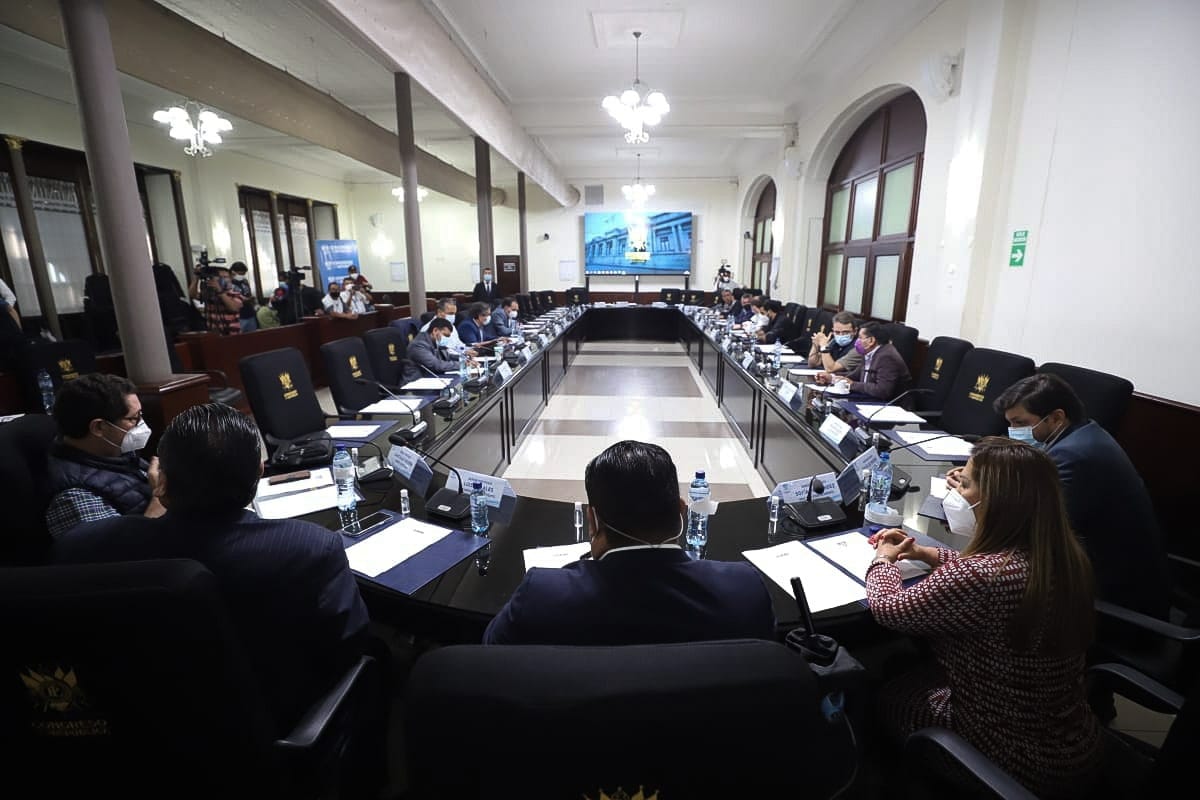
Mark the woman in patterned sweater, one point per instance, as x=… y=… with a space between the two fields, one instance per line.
x=1009 y=620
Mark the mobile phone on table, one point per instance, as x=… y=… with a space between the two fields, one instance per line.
x=368 y=524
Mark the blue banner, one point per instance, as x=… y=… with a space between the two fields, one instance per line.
x=334 y=259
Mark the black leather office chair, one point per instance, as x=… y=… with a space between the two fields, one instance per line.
x=904 y=339
x=706 y=719
x=408 y=328
x=1105 y=397
x=823 y=321
x=346 y=362
x=281 y=394
x=128 y=679
x=425 y=317
x=578 y=296
x=24 y=488
x=695 y=297
x=219 y=390
x=670 y=296
x=63 y=361
x=535 y=304
x=942 y=361
x=548 y=299
x=983 y=375
x=100 y=312
x=524 y=307
x=386 y=348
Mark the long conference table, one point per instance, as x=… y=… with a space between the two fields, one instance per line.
x=484 y=428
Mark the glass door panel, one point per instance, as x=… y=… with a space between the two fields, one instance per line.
x=883 y=293
x=897 y=200
x=856 y=274
x=833 y=280
x=863 y=224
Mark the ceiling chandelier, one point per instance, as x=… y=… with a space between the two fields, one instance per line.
x=638 y=193
x=398 y=193
x=197 y=126
x=637 y=108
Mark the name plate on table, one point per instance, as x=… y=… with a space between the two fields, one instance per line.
x=748 y=360
x=787 y=391
x=796 y=491
x=409 y=465
x=523 y=356
x=544 y=339
x=834 y=429
x=504 y=371
x=494 y=488
x=533 y=348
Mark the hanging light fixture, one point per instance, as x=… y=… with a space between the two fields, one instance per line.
x=638 y=193
x=398 y=193
x=197 y=126
x=637 y=108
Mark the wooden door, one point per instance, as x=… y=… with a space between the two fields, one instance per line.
x=508 y=274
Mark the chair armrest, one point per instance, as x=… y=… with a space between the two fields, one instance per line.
x=999 y=782
x=317 y=722
x=218 y=376
x=1167 y=630
x=1136 y=686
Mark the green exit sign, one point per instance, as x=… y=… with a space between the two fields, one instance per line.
x=1016 y=255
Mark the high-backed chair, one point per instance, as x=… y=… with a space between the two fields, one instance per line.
x=132 y=674
x=942 y=361
x=695 y=297
x=219 y=389
x=904 y=339
x=801 y=325
x=425 y=317
x=386 y=348
x=547 y=298
x=983 y=375
x=24 y=488
x=524 y=307
x=100 y=312
x=578 y=296
x=281 y=394
x=1105 y=397
x=671 y=296
x=823 y=321
x=705 y=719
x=346 y=363
x=407 y=326
x=63 y=361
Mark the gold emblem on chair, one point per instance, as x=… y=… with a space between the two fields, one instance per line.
x=937 y=369
x=289 y=390
x=66 y=370
x=981 y=386
x=392 y=352
x=60 y=704
x=355 y=372
x=621 y=794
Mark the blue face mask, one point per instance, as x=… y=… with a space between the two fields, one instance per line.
x=1024 y=434
x=843 y=339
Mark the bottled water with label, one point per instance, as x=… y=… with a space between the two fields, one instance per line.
x=405 y=508
x=46 y=390
x=697 y=524
x=777 y=358
x=343 y=478
x=881 y=483
x=479 y=508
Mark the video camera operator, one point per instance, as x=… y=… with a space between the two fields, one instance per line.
x=213 y=286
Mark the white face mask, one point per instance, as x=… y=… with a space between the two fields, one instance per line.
x=960 y=515
x=643 y=541
x=135 y=438
x=512 y=315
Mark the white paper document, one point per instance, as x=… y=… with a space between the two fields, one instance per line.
x=882 y=413
x=938 y=487
x=770 y=348
x=317 y=478
x=285 y=506
x=825 y=586
x=392 y=406
x=393 y=545
x=351 y=431
x=556 y=556
x=947 y=446
x=853 y=553
x=427 y=384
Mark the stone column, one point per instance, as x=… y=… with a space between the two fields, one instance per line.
x=33 y=238
x=523 y=230
x=483 y=204
x=412 y=206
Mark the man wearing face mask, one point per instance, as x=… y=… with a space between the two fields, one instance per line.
x=336 y=304
x=835 y=353
x=222 y=303
x=426 y=354
x=1107 y=502
x=94 y=469
x=504 y=318
x=486 y=290
x=638 y=586
x=882 y=373
x=744 y=311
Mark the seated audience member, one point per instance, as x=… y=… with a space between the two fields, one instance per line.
x=724 y=303
x=287 y=585
x=356 y=297
x=447 y=309
x=426 y=353
x=1009 y=620
x=882 y=373
x=638 y=587
x=776 y=322
x=474 y=330
x=94 y=469
x=504 y=318
x=835 y=352
x=268 y=314
x=335 y=305
x=1107 y=502
x=745 y=311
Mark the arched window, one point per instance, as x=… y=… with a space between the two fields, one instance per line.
x=871 y=213
x=764 y=215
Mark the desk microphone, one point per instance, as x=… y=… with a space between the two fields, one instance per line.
x=418 y=425
x=814 y=514
x=901 y=480
x=446 y=502
x=446 y=400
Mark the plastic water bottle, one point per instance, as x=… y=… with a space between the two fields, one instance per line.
x=697 y=525
x=343 y=478
x=881 y=483
x=405 y=508
x=46 y=388
x=773 y=504
x=777 y=357
x=462 y=367
x=479 y=508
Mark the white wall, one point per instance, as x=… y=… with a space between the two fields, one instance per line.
x=714 y=232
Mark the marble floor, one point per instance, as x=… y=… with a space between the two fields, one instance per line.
x=648 y=391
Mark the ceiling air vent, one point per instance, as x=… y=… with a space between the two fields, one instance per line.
x=593 y=195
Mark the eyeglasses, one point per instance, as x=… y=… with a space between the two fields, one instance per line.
x=134 y=419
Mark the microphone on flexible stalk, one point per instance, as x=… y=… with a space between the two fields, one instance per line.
x=445 y=502
x=895 y=400
x=418 y=425
x=814 y=514
x=869 y=436
x=449 y=396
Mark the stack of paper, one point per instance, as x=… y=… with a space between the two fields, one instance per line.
x=825 y=586
x=853 y=553
x=296 y=498
x=392 y=405
x=393 y=545
x=883 y=413
x=426 y=384
x=556 y=556
x=938 y=445
x=354 y=431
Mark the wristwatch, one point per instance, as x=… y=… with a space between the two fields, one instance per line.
x=825 y=349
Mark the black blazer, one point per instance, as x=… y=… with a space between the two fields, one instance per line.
x=482 y=294
x=636 y=596
x=776 y=330
x=887 y=377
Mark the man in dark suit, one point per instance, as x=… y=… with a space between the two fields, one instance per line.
x=1107 y=502
x=425 y=354
x=486 y=291
x=474 y=331
x=776 y=323
x=638 y=587
x=287 y=585
x=504 y=318
x=882 y=373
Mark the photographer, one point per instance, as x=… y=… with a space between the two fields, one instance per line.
x=358 y=297
x=725 y=279
x=247 y=320
x=214 y=288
